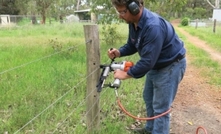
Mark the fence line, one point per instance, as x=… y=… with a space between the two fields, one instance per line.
x=65 y=94
x=23 y=65
x=55 y=103
x=48 y=56
x=40 y=59
x=34 y=19
x=205 y=23
x=79 y=105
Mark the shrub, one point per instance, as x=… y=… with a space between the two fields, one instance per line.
x=185 y=21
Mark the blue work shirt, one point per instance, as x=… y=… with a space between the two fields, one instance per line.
x=156 y=42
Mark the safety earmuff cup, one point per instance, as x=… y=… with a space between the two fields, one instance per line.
x=133 y=7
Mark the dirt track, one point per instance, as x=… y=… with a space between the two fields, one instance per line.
x=197 y=102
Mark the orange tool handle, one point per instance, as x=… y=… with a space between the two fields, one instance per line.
x=128 y=65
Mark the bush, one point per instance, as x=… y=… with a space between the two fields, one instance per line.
x=110 y=33
x=185 y=21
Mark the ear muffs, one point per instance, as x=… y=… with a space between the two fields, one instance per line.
x=133 y=6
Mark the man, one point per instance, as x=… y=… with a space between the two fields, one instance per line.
x=162 y=60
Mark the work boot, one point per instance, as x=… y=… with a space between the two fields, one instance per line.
x=140 y=131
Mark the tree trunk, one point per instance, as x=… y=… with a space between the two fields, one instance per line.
x=33 y=20
x=216 y=3
x=43 y=19
x=78 y=5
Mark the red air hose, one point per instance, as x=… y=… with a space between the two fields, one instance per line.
x=151 y=118
x=145 y=119
x=204 y=130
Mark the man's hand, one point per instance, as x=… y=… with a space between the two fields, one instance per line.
x=122 y=75
x=113 y=53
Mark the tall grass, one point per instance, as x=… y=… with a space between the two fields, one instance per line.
x=207 y=34
x=200 y=58
x=43 y=81
x=34 y=76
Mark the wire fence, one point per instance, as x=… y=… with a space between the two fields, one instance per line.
x=213 y=24
x=71 y=121
x=72 y=113
x=11 y=20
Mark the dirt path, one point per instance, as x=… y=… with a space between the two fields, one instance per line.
x=201 y=44
x=197 y=102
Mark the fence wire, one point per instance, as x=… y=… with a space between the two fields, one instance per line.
x=80 y=82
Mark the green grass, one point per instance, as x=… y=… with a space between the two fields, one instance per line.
x=201 y=59
x=29 y=84
x=43 y=82
x=207 y=34
x=38 y=85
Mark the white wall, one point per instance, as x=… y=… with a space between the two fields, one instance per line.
x=217 y=14
x=5 y=19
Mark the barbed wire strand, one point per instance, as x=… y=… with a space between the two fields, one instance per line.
x=55 y=102
x=25 y=64
x=91 y=108
x=100 y=110
x=104 y=91
x=81 y=103
x=59 y=97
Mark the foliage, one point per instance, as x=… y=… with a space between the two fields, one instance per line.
x=58 y=46
x=165 y=8
x=199 y=13
x=8 y=7
x=108 y=14
x=216 y=5
x=58 y=9
x=111 y=34
x=197 y=9
x=185 y=21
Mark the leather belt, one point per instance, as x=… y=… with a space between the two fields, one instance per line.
x=167 y=64
x=179 y=58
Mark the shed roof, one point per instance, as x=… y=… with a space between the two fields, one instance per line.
x=81 y=11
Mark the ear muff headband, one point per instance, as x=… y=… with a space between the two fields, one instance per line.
x=133 y=6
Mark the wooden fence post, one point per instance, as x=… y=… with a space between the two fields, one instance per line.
x=214 y=26
x=93 y=73
x=196 y=23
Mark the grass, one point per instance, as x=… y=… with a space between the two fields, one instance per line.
x=207 y=34
x=31 y=88
x=201 y=59
x=43 y=82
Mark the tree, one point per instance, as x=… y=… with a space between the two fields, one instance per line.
x=197 y=9
x=63 y=8
x=166 y=8
x=8 y=7
x=42 y=7
x=217 y=3
x=47 y=8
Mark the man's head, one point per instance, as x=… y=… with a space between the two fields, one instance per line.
x=132 y=5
